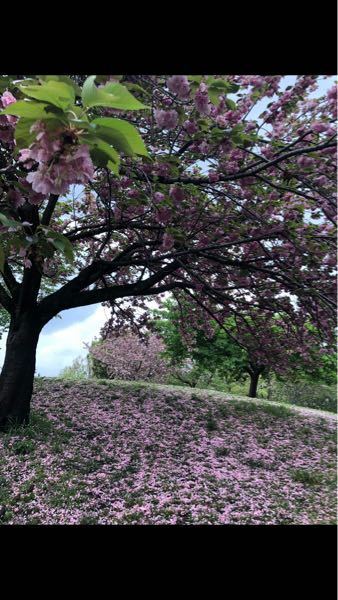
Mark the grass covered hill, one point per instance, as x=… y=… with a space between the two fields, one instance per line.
x=99 y=452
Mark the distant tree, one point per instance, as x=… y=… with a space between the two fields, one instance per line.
x=96 y=368
x=129 y=357
x=249 y=345
x=217 y=352
x=77 y=370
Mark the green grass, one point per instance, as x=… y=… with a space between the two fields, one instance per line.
x=237 y=390
x=255 y=463
x=277 y=410
x=22 y=447
x=307 y=477
x=211 y=423
x=88 y=521
x=222 y=451
x=244 y=407
x=39 y=427
x=223 y=411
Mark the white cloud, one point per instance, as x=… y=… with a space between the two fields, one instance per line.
x=58 y=349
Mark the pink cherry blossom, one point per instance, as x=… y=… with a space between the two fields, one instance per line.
x=213 y=176
x=202 y=100
x=332 y=93
x=191 y=127
x=7 y=98
x=166 y=119
x=177 y=193
x=179 y=84
x=15 y=198
x=319 y=127
x=56 y=173
x=158 y=197
x=7 y=122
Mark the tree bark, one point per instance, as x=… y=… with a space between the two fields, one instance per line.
x=254 y=377
x=17 y=375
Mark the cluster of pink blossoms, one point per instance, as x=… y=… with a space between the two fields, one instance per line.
x=166 y=119
x=176 y=193
x=202 y=100
x=18 y=199
x=179 y=84
x=332 y=98
x=59 y=164
x=7 y=122
x=190 y=127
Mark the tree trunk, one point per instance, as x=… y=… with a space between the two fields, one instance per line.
x=254 y=377
x=17 y=375
x=269 y=386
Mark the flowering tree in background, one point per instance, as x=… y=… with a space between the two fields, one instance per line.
x=180 y=190
x=129 y=357
x=251 y=345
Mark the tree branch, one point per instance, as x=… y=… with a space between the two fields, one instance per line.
x=10 y=280
x=47 y=215
x=5 y=300
x=247 y=173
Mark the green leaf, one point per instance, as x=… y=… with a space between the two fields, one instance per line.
x=9 y=222
x=214 y=96
x=68 y=249
x=230 y=104
x=218 y=133
x=102 y=154
x=224 y=87
x=112 y=166
x=63 y=79
x=77 y=116
x=121 y=134
x=30 y=112
x=113 y=95
x=57 y=93
x=203 y=124
x=60 y=242
x=136 y=88
x=195 y=78
x=25 y=81
x=35 y=111
x=59 y=245
x=23 y=135
x=6 y=81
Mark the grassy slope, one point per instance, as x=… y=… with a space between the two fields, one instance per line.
x=221 y=396
x=118 y=452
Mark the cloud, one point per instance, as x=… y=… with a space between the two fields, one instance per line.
x=58 y=349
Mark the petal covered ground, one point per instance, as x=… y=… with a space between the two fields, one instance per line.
x=112 y=453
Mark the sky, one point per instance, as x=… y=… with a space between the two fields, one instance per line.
x=63 y=339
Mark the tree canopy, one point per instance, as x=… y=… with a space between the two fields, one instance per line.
x=117 y=187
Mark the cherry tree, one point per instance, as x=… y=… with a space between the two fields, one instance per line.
x=251 y=344
x=129 y=357
x=116 y=187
